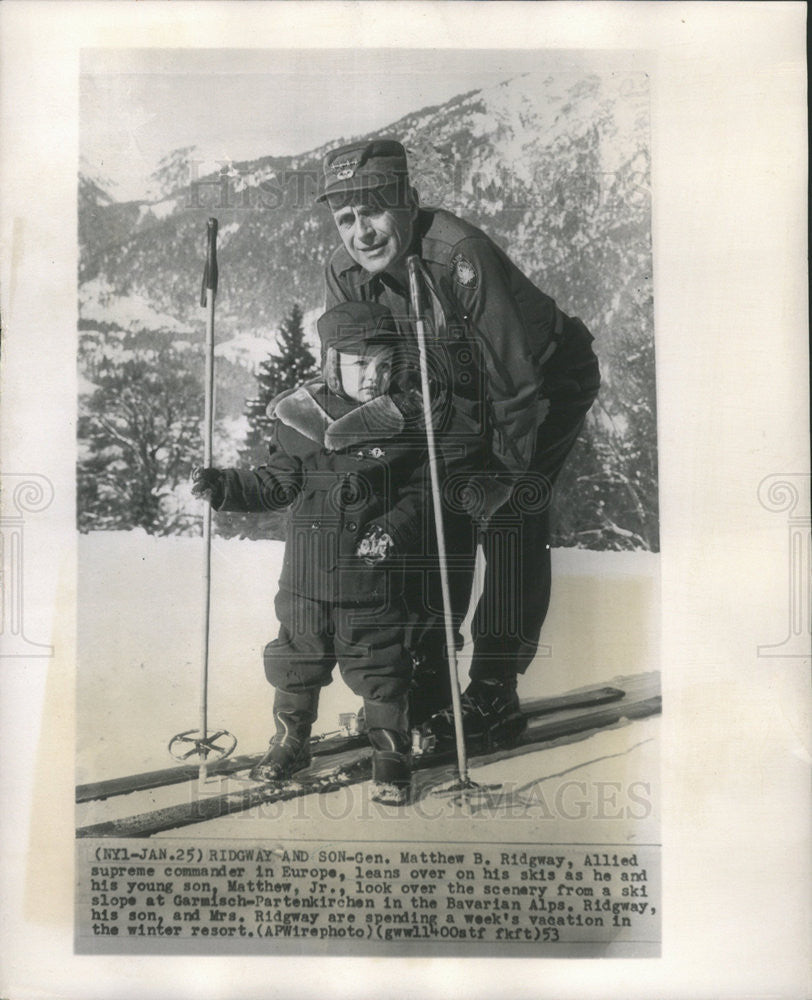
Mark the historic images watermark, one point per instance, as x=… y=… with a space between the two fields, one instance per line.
x=225 y=185
x=550 y=800
x=22 y=493
x=788 y=493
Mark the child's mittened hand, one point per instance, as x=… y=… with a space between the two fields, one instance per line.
x=375 y=546
x=207 y=484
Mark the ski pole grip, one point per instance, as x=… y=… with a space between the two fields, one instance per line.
x=413 y=264
x=210 y=272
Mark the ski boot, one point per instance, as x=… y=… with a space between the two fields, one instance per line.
x=491 y=717
x=389 y=737
x=289 y=750
x=391 y=767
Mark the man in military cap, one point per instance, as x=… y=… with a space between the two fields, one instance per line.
x=495 y=331
x=356 y=482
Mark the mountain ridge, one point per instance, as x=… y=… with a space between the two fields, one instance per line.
x=465 y=173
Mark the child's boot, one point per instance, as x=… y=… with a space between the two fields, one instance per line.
x=289 y=751
x=388 y=731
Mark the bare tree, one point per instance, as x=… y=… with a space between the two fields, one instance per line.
x=139 y=433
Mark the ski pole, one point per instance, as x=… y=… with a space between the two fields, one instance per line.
x=207 y=296
x=414 y=292
x=200 y=741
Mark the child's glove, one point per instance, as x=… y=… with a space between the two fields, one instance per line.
x=208 y=484
x=375 y=546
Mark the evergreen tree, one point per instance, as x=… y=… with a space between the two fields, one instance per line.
x=288 y=367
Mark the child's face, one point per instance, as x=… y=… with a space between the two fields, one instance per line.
x=365 y=376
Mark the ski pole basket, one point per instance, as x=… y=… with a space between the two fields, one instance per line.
x=209 y=747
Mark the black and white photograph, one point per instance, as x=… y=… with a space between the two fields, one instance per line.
x=423 y=582
x=428 y=341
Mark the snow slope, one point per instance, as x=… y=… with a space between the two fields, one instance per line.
x=140 y=607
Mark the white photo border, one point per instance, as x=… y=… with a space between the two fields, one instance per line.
x=729 y=173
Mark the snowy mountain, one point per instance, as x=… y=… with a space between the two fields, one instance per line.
x=533 y=160
x=172 y=172
x=554 y=168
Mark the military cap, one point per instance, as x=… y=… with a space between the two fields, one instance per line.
x=363 y=166
x=355 y=325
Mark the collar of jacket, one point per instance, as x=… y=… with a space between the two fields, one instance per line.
x=302 y=411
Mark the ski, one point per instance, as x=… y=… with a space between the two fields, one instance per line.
x=199 y=810
x=320 y=746
x=564 y=723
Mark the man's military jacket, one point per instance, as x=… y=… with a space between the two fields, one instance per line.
x=479 y=299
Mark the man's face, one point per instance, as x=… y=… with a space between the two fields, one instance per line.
x=376 y=234
x=363 y=377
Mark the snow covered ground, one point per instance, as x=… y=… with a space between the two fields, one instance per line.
x=140 y=610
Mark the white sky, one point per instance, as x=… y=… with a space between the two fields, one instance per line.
x=138 y=105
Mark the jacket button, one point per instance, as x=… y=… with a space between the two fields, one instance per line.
x=351 y=526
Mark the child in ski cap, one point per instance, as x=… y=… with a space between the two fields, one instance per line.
x=356 y=484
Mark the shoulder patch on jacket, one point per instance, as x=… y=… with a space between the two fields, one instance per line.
x=465 y=273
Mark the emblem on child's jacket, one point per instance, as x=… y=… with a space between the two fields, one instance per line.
x=464 y=271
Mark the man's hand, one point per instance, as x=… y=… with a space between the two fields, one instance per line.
x=485 y=494
x=375 y=546
x=208 y=484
